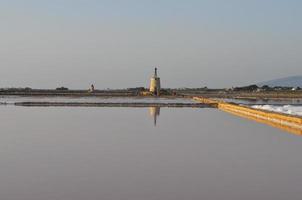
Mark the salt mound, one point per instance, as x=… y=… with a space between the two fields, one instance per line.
x=287 y=109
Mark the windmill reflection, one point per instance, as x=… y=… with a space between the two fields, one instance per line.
x=154 y=112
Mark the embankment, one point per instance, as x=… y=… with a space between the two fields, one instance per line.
x=286 y=122
x=83 y=104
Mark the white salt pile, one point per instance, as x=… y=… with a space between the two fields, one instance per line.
x=287 y=109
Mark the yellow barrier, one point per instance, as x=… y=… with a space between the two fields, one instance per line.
x=206 y=100
x=291 y=124
x=289 y=129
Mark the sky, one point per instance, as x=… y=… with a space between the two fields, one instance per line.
x=117 y=43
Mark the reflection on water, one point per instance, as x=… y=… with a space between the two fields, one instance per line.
x=113 y=154
x=154 y=112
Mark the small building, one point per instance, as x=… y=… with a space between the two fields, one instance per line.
x=91 y=89
x=155 y=84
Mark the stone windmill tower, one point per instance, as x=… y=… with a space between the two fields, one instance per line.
x=155 y=84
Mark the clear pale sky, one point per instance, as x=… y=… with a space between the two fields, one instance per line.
x=116 y=44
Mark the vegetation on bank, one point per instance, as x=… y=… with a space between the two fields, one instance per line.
x=251 y=91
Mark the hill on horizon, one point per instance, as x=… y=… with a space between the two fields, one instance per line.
x=291 y=81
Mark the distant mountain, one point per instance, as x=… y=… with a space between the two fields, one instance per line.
x=292 y=81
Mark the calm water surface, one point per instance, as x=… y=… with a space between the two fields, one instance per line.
x=118 y=154
x=90 y=99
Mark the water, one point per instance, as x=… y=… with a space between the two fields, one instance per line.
x=118 y=154
x=16 y=99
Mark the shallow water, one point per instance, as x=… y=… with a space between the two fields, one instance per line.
x=15 y=99
x=118 y=154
